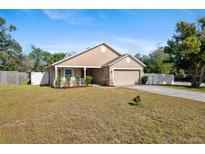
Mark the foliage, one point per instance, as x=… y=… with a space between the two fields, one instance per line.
x=55 y=57
x=77 y=81
x=157 y=62
x=26 y=64
x=136 y=101
x=43 y=58
x=187 y=50
x=10 y=49
x=12 y=58
x=144 y=79
x=88 y=80
x=40 y=57
x=68 y=78
x=58 y=82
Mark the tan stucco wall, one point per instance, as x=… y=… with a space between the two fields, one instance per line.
x=52 y=74
x=100 y=75
x=124 y=64
x=94 y=57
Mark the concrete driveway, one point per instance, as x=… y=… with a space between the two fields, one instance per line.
x=186 y=84
x=198 y=96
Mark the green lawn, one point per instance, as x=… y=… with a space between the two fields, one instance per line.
x=32 y=114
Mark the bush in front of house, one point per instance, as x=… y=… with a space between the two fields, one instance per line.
x=144 y=79
x=88 y=80
x=58 y=82
x=68 y=78
x=77 y=81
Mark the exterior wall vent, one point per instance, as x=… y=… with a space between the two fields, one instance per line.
x=103 y=49
x=128 y=60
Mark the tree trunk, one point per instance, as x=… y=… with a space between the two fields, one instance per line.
x=201 y=77
x=198 y=77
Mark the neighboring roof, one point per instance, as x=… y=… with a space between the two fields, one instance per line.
x=112 y=62
x=67 y=58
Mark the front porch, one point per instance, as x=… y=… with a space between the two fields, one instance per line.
x=79 y=73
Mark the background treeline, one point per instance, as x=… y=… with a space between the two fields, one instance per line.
x=183 y=55
x=12 y=57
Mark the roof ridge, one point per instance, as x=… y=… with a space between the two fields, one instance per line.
x=67 y=58
x=113 y=60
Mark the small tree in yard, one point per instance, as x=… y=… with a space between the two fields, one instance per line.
x=187 y=50
x=88 y=80
x=68 y=78
x=58 y=82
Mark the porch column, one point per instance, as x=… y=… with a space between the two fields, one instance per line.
x=55 y=75
x=84 y=72
x=63 y=72
x=140 y=76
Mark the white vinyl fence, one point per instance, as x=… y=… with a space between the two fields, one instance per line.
x=13 y=77
x=160 y=79
x=39 y=78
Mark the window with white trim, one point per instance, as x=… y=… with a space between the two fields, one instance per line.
x=68 y=72
x=59 y=73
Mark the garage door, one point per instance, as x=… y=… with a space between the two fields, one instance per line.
x=126 y=77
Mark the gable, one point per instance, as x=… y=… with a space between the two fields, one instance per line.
x=127 y=62
x=96 y=56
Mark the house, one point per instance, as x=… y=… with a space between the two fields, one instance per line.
x=103 y=63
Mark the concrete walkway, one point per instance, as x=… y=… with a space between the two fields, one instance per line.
x=198 y=96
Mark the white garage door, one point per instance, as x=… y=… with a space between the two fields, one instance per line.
x=126 y=77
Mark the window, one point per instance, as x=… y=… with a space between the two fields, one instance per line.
x=68 y=72
x=59 y=73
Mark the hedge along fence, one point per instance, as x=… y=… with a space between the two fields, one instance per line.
x=13 y=77
x=159 y=79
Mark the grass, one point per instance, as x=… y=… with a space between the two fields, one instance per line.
x=200 y=89
x=32 y=114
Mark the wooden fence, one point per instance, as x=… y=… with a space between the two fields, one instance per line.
x=13 y=77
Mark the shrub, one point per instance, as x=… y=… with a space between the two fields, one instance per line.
x=88 y=80
x=58 y=82
x=144 y=79
x=136 y=101
x=29 y=81
x=68 y=78
x=78 y=81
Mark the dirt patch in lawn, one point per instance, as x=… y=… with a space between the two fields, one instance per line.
x=32 y=114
